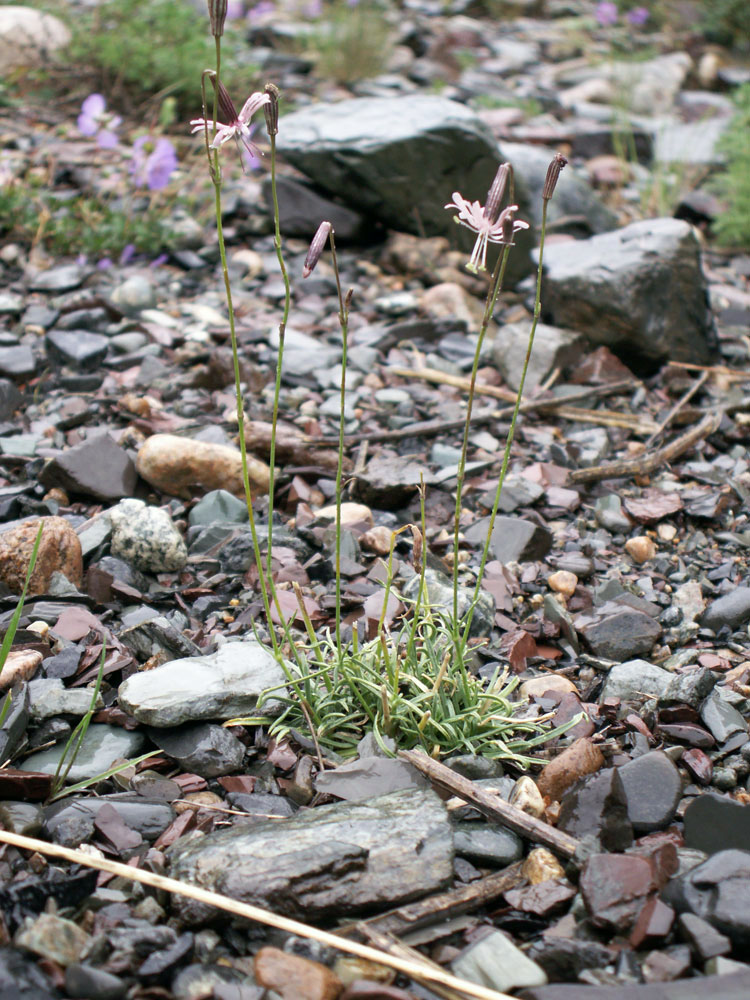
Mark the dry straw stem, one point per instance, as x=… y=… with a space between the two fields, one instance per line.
x=416 y=970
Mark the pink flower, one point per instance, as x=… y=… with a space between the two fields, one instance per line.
x=501 y=230
x=606 y=13
x=238 y=128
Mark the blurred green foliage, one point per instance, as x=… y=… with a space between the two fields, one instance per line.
x=732 y=184
x=727 y=22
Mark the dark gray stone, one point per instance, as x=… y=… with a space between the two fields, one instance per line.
x=487 y=843
x=204 y=749
x=689 y=688
x=88 y=983
x=721 y=718
x=717 y=891
x=332 y=861
x=71 y=821
x=302 y=209
x=716 y=823
x=79 y=348
x=653 y=787
x=218 y=506
x=10 y=399
x=596 y=809
x=514 y=539
x=615 y=632
x=731 y=987
x=97 y=468
x=14 y=726
x=399 y=159
x=639 y=290
x=732 y=610
x=21 y=979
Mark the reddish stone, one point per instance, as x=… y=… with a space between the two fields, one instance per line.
x=541 y=899
x=580 y=758
x=654 y=921
x=614 y=887
x=699 y=765
x=294 y=977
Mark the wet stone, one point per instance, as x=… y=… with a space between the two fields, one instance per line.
x=716 y=823
x=717 y=891
x=514 y=539
x=579 y=759
x=24 y=818
x=101 y=746
x=721 y=718
x=49 y=697
x=487 y=844
x=653 y=787
x=614 y=887
x=294 y=977
x=204 y=749
x=596 y=809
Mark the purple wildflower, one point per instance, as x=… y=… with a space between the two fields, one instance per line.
x=261 y=11
x=235 y=9
x=501 y=230
x=638 y=16
x=95 y=120
x=153 y=162
x=313 y=9
x=128 y=252
x=606 y=13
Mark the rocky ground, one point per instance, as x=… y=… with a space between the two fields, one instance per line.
x=618 y=866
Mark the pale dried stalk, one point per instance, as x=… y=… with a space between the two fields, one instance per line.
x=416 y=970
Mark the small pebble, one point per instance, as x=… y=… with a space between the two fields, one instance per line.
x=563 y=582
x=640 y=549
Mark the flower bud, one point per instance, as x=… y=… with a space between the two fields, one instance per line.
x=316 y=248
x=217 y=15
x=271 y=110
x=496 y=192
x=553 y=172
x=226 y=110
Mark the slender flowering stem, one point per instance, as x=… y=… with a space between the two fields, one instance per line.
x=512 y=430
x=344 y=324
x=279 y=357
x=494 y=290
x=216 y=178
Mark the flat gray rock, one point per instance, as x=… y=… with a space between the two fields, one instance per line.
x=636 y=679
x=221 y=685
x=639 y=290
x=495 y=962
x=201 y=748
x=98 y=468
x=653 y=788
x=399 y=159
x=732 y=610
x=553 y=348
x=101 y=746
x=332 y=861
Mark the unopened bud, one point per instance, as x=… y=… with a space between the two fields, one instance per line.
x=316 y=248
x=496 y=192
x=226 y=109
x=271 y=110
x=506 y=221
x=217 y=14
x=553 y=172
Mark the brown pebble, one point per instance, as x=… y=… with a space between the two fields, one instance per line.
x=59 y=551
x=20 y=665
x=563 y=582
x=294 y=977
x=640 y=549
x=177 y=465
x=535 y=687
x=580 y=758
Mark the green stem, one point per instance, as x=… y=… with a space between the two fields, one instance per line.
x=216 y=177
x=492 y=294
x=512 y=431
x=279 y=363
x=344 y=324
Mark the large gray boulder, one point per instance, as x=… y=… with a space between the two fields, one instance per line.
x=639 y=290
x=399 y=159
